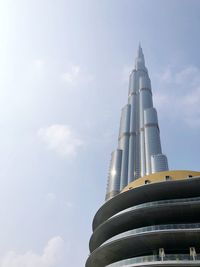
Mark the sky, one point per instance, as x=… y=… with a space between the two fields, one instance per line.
x=64 y=68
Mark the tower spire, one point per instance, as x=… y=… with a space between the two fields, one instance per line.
x=140 y=52
x=139 y=61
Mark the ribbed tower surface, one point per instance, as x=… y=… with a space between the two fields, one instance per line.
x=151 y=216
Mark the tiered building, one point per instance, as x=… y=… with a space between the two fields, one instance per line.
x=151 y=216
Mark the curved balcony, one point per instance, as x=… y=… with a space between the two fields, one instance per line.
x=155 y=228
x=166 y=190
x=158 y=204
x=147 y=214
x=144 y=243
x=155 y=260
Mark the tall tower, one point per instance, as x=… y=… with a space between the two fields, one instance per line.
x=139 y=150
x=151 y=216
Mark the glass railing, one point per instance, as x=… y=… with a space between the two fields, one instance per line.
x=153 y=228
x=140 y=261
x=157 y=204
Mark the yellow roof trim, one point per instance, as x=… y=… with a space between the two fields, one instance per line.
x=161 y=177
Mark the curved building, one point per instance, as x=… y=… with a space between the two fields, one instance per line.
x=151 y=216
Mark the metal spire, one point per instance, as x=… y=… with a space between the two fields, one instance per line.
x=139 y=61
x=140 y=52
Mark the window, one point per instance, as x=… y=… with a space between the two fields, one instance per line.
x=167 y=178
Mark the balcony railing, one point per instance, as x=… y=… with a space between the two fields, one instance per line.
x=170 y=258
x=158 y=203
x=154 y=228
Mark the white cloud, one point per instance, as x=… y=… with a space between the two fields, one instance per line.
x=75 y=75
x=72 y=75
x=52 y=255
x=161 y=100
x=188 y=75
x=166 y=76
x=178 y=95
x=60 y=138
x=191 y=105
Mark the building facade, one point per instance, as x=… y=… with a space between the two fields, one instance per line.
x=151 y=216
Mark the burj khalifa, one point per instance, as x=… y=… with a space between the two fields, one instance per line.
x=151 y=216
x=139 y=151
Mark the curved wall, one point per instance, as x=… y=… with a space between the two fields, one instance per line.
x=160 y=218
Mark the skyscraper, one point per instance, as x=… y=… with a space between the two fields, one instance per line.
x=139 y=150
x=151 y=216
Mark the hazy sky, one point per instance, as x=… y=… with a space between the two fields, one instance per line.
x=64 y=69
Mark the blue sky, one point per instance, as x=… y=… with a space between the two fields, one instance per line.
x=64 y=69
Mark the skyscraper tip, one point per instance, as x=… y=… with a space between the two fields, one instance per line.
x=139 y=61
x=140 y=52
